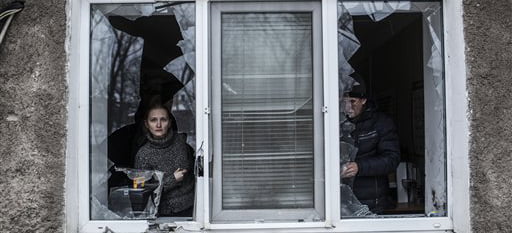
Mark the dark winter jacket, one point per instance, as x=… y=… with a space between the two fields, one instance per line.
x=167 y=155
x=378 y=155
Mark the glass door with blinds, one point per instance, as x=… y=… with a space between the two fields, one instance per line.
x=266 y=97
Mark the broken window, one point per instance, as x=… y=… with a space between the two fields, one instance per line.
x=265 y=94
x=139 y=53
x=393 y=51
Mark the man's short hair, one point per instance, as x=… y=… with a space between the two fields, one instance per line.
x=359 y=89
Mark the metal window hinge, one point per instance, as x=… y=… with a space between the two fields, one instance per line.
x=324 y=109
x=207 y=110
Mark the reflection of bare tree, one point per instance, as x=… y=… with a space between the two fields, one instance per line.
x=115 y=73
x=117 y=46
x=123 y=80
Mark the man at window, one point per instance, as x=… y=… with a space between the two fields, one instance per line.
x=378 y=151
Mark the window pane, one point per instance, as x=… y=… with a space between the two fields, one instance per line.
x=267 y=86
x=391 y=58
x=267 y=116
x=138 y=53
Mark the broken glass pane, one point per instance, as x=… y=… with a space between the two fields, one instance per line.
x=138 y=52
x=183 y=68
x=396 y=46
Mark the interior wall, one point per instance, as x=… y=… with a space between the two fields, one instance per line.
x=488 y=36
x=399 y=70
x=33 y=95
x=400 y=65
x=393 y=66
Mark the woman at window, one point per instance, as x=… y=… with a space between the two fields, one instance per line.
x=167 y=151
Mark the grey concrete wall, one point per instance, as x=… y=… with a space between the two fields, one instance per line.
x=33 y=99
x=488 y=35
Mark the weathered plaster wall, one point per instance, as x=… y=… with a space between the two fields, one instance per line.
x=33 y=119
x=33 y=116
x=488 y=35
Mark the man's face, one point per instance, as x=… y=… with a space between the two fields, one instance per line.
x=353 y=106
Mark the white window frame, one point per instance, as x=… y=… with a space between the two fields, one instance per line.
x=457 y=137
x=78 y=141
x=319 y=198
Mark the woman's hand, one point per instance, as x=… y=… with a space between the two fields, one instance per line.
x=179 y=174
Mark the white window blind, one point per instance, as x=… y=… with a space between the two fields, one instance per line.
x=267 y=116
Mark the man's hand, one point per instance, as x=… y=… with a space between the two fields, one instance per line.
x=349 y=169
x=179 y=174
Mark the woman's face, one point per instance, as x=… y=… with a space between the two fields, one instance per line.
x=158 y=122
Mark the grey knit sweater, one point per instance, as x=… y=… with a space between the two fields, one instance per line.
x=167 y=155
